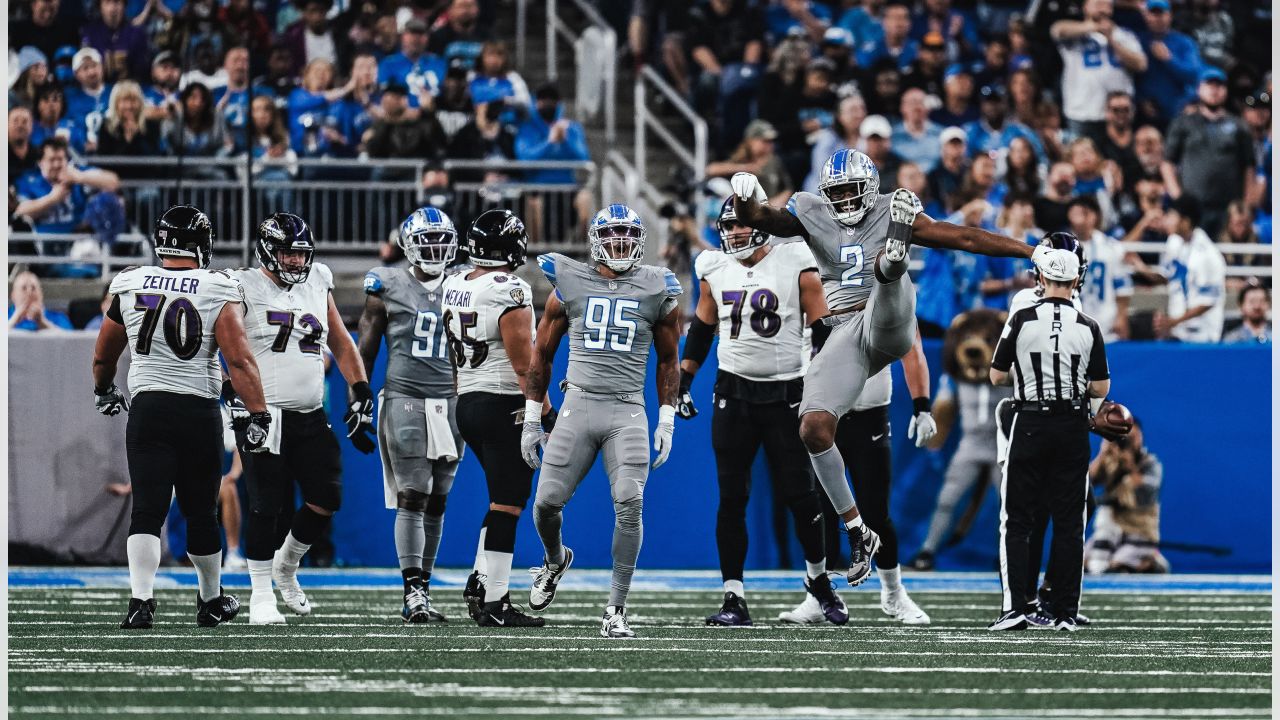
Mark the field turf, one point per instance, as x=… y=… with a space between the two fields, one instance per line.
x=1157 y=649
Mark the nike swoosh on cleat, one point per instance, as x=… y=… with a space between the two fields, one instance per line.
x=500 y=622
x=132 y=616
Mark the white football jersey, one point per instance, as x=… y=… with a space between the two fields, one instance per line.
x=169 y=316
x=472 y=309
x=1027 y=297
x=287 y=329
x=1090 y=70
x=1197 y=278
x=1109 y=278
x=762 y=324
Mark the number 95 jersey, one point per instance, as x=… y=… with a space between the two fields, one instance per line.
x=286 y=330
x=169 y=317
x=761 y=329
x=472 y=309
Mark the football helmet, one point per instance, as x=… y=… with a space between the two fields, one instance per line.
x=734 y=242
x=850 y=183
x=429 y=240
x=184 y=231
x=617 y=237
x=285 y=232
x=497 y=238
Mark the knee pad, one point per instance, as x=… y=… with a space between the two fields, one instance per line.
x=500 y=535
x=327 y=496
x=628 y=513
x=411 y=500
x=435 y=504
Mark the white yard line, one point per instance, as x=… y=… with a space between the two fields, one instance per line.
x=625 y=646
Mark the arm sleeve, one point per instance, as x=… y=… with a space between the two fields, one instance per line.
x=1097 y=369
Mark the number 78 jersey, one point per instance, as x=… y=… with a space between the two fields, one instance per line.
x=287 y=333
x=846 y=255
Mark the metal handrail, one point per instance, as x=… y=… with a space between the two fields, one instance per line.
x=696 y=158
x=391 y=163
x=557 y=26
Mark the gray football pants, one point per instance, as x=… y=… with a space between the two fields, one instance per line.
x=972 y=463
x=590 y=424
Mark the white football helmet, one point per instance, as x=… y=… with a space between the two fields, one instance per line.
x=849 y=185
x=617 y=237
x=429 y=240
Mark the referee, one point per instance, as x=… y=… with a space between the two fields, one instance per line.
x=1054 y=357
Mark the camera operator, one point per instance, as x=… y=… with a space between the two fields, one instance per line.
x=1126 y=533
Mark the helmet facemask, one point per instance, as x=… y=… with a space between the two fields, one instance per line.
x=617 y=246
x=430 y=251
x=737 y=240
x=849 y=200
x=291 y=275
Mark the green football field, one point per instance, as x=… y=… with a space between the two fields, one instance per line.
x=1152 y=652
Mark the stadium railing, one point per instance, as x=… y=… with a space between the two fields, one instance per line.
x=80 y=249
x=695 y=157
x=595 y=52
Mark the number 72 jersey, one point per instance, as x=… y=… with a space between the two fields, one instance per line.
x=287 y=332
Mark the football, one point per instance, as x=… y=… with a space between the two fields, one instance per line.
x=1117 y=416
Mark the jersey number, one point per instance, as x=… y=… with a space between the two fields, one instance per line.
x=851 y=254
x=183 y=328
x=426 y=331
x=764 y=312
x=606 y=323
x=479 y=349
x=309 y=343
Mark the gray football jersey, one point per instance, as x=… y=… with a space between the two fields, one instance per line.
x=418 y=362
x=846 y=255
x=610 y=321
x=976 y=408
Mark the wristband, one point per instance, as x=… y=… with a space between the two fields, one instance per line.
x=919 y=405
x=1095 y=404
x=532 y=411
x=362 y=391
x=667 y=415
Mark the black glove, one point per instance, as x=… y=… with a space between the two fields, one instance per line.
x=549 y=419
x=111 y=401
x=684 y=401
x=359 y=418
x=256 y=428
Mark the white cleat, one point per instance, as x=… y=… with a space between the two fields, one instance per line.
x=262 y=610
x=286 y=578
x=545 y=580
x=233 y=560
x=899 y=606
x=806 y=613
x=614 y=625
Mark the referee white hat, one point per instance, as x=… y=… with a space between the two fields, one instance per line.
x=1060 y=266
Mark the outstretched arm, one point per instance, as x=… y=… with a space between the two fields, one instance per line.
x=943 y=235
x=552 y=327
x=760 y=216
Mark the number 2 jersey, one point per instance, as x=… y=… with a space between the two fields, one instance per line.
x=169 y=315
x=287 y=332
x=611 y=320
x=472 y=309
x=418 y=362
x=846 y=255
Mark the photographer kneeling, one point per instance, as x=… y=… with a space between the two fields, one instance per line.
x=1126 y=534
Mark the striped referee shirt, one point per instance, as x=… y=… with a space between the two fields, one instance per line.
x=1054 y=351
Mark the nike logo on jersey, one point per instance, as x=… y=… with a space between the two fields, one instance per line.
x=876 y=437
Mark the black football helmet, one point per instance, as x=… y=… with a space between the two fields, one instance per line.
x=497 y=238
x=733 y=242
x=184 y=231
x=285 y=232
x=1066 y=241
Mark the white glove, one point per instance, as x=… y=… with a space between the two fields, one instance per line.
x=904 y=207
x=662 y=434
x=531 y=435
x=922 y=428
x=747 y=187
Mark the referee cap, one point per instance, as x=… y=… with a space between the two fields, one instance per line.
x=1060 y=266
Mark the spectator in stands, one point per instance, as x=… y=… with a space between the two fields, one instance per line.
x=126 y=130
x=26 y=306
x=1213 y=31
x=247 y=25
x=994 y=130
x=1240 y=229
x=51 y=120
x=1021 y=173
x=486 y=137
x=811 y=112
x=269 y=142
x=755 y=154
x=1098 y=57
x=1257 y=116
x=42 y=30
x=87 y=98
x=1209 y=153
x=1197 y=275
x=958 y=33
x=1108 y=284
x=195 y=30
x=311 y=133
x=314 y=38
x=1126 y=533
x=1095 y=176
x=837 y=47
x=54 y=195
x=912 y=177
x=1117 y=144
x=994 y=68
x=886 y=92
x=1255 y=311
x=915 y=137
x=195 y=130
x=33 y=71
x=163 y=90
x=894 y=46
x=22 y=153
x=788 y=16
x=979 y=183
x=927 y=70
x=205 y=68
x=280 y=79
x=231 y=101
x=783 y=83
x=1173 y=65
x=496 y=82
x=454 y=106
x=843 y=134
x=946 y=176
x=1148 y=148
x=415 y=68
x=957 y=107
x=1017 y=219
x=864 y=21
x=460 y=35
x=1144 y=222
x=104 y=304
x=399 y=134
x=727 y=37
x=1049 y=130
x=386 y=37
x=1025 y=97
x=355 y=112
x=1051 y=207
x=122 y=45
x=546 y=134
x=877 y=136
x=950 y=283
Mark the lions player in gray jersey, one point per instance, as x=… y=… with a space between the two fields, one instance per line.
x=612 y=309
x=861 y=240
x=418 y=436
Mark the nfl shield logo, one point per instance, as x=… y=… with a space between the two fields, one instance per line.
x=408 y=407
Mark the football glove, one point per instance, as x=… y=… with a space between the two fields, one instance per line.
x=110 y=402
x=531 y=435
x=902 y=213
x=256 y=429
x=922 y=427
x=239 y=413
x=549 y=419
x=684 y=401
x=747 y=187
x=663 y=434
x=359 y=418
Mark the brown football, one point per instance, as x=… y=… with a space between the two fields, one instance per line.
x=1118 y=416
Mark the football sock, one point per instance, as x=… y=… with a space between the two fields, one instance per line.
x=260 y=579
x=499 y=548
x=293 y=550
x=815 y=569
x=889 y=270
x=890 y=579
x=409 y=538
x=209 y=573
x=548 y=519
x=432 y=530
x=144 y=559
x=854 y=523
x=735 y=587
x=829 y=467
x=479 y=565
x=628 y=532
x=412 y=577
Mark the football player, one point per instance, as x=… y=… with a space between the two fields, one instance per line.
x=613 y=309
x=418 y=432
x=488 y=315
x=761 y=297
x=861 y=240
x=174 y=435
x=291 y=317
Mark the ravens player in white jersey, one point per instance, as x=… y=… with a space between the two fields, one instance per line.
x=418 y=430
x=290 y=316
x=861 y=240
x=488 y=314
x=761 y=297
x=613 y=309
x=175 y=318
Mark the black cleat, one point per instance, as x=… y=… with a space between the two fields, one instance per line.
x=922 y=562
x=140 y=616
x=1012 y=620
x=433 y=615
x=733 y=613
x=473 y=594
x=415 y=606
x=824 y=591
x=221 y=609
x=503 y=614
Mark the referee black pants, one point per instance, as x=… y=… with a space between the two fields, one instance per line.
x=1046 y=473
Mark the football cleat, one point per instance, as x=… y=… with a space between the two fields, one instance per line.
x=614 y=624
x=286 y=577
x=263 y=610
x=140 y=616
x=807 y=612
x=473 y=594
x=217 y=611
x=832 y=606
x=1066 y=624
x=1039 y=617
x=233 y=560
x=899 y=606
x=503 y=614
x=1012 y=620
x=922 y=562
x=733 y=613
x=545 y=580
x=415 y=606
x=864 y=543
x=433 y=615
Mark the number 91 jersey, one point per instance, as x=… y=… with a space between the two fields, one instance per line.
x=286 y=330
x=418 y=362
x=472 y=309
x=761 y=329
x=169 y=317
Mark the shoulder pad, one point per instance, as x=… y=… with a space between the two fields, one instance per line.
x=373 y=283
x=799 y=253
x=672 y=287
x=547 y=264
x=707 y=262
x=324 y=273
